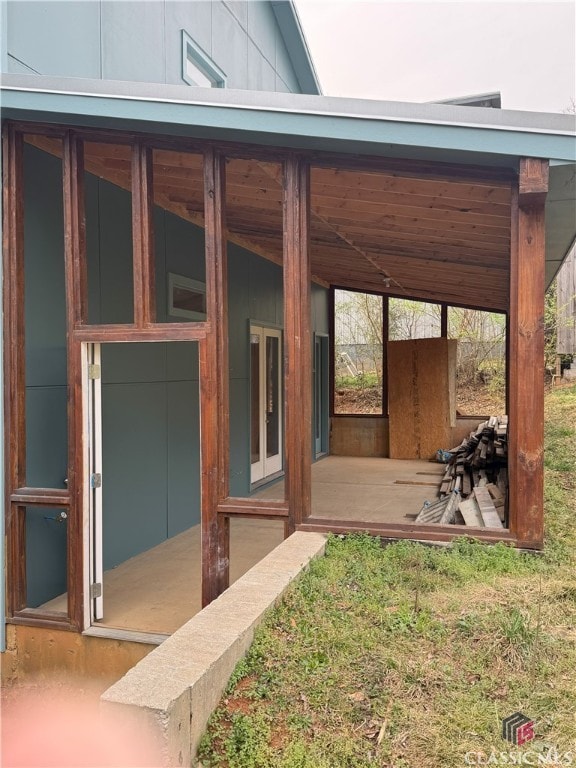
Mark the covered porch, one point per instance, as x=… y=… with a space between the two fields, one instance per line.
x=157 y=591
x=303 y=195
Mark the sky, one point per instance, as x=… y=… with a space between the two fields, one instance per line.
x=426 y=51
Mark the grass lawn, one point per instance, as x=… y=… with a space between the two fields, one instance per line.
x=410 y=656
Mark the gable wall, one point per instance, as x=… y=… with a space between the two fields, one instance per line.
x=142 y=41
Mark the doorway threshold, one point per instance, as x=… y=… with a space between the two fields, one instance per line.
x=128 y=635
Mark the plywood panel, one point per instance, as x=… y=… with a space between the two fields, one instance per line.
x=360 y=436
x=421 y=396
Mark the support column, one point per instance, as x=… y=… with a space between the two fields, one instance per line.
x=214 y=396
x=297 y=342
x=385 y=336
x=444 y=321
x=526 y=355
x=76 y=312
x=14 y=374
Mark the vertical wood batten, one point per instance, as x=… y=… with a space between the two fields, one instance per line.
x=297 y=340
x=76 y=312
x=143 y=236
x=74 y=212
x=14 y=361
x=526 y=350
x=214 y=394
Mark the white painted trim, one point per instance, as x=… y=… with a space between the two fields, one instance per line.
x=266 y=467
x=181 y=281
x=86 y=516
x=97 y=492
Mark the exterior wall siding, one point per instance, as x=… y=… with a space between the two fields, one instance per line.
x=142 y=41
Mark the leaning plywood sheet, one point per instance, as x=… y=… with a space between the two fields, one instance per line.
x=487 y=508
x=421 y=396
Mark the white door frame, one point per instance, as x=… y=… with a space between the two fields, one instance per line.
x=267 y=465
x=92 y=386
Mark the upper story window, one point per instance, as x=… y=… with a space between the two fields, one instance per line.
x=197 y=67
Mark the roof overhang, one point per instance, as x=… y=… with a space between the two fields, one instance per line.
x=428 y=132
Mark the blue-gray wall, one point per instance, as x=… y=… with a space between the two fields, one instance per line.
x=150 y=392
x=142 y=41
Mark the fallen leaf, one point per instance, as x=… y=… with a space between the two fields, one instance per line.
x=357 y=696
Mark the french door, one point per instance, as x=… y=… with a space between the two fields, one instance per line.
x=265 y=402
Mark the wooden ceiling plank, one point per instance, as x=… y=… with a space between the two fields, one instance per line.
x=371 y=198
x=477 y=174
x=340 y=179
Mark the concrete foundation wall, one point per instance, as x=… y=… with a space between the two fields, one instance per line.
x=36 y=652
x=175 y=689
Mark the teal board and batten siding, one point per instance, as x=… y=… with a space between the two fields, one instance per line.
x=150 y=392
x=142 y=41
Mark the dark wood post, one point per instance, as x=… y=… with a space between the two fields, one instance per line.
x=214 y=397
x=526 y=350
x=297 y=340
x=76 y=312
x=385 y=337
x=14 y=372
x=444 y=321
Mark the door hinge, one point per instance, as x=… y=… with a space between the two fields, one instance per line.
x=95 y=590
x=94 y=371
x=96 y=480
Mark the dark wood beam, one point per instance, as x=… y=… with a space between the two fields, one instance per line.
x=45 y=497
x=393 y=531
x=249 y=507
x=214 y=398
x=161 y=332
x=526 y=356
x=532 y=182
x=297 y=341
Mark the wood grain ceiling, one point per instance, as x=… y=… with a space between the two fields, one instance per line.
x=439 y=239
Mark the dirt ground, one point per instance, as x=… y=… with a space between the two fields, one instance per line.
x=473 y=401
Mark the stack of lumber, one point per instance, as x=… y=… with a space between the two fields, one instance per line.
x=477 y=475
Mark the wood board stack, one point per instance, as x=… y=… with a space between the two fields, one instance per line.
x=477 y=475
